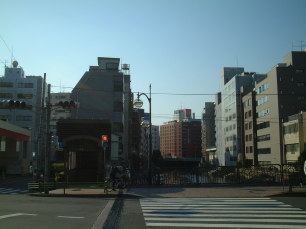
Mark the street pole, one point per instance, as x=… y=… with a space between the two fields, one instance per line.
x=138 y=104
x=150 y=137
x=48 y=141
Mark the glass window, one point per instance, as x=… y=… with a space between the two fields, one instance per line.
x=25 y=85
x=2 y=143
x=6 y=95
x=24 y=96
x=6 y=84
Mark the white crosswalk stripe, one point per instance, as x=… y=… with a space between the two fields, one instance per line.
x=12 y=191
x=221 y=213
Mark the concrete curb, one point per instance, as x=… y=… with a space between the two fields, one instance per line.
x=103 y=215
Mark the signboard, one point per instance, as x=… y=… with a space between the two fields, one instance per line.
x=305 y=167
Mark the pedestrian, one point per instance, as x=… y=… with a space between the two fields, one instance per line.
x=113 y=174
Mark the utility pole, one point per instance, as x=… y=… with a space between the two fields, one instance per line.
x=41 y=131
x=48 y=139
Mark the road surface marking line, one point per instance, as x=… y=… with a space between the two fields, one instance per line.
x=100 y=221
x=223 y=211
x=236 y=220
x=16 y=214
x=208 y=225
x=71 y=217
x=226 y=215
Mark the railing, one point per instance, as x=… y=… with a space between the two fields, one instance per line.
x=272 y=174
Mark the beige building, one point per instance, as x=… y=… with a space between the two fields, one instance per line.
x=294 y=137
x=281 y=94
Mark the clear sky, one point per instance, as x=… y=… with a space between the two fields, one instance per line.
x=179 y=46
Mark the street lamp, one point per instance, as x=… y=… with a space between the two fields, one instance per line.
x=138 y=104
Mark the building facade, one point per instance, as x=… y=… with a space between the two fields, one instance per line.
x=29 y=89
x=208 y=132
x=294 y=137
x=104 y=93
x=15 y=155
x=281 y=94
x=181 y=139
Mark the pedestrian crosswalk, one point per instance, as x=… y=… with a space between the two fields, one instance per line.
x=13 y=191
x=221 y=213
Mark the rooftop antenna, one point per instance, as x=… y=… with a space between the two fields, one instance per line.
x=301 y=45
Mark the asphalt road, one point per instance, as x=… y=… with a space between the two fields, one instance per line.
x=24 y=211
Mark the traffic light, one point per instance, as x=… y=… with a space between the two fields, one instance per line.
x=105 y=139
x=68 y=104
x=12 y=104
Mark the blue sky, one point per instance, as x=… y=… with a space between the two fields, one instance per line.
x=179 y=46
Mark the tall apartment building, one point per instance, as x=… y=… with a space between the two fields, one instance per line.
x=281 y=94
x=181 y=139
x=208 y=132
x=230 y=132
x=104 y=93
x=14 y=85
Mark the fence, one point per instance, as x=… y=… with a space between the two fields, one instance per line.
x=272 y=174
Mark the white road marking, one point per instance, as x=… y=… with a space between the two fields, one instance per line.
x=71 y=217
x=221 y=213
x=209 y=225
x=303 y=215
x=16 y=214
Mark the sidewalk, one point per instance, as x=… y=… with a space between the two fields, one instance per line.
x=179 y=191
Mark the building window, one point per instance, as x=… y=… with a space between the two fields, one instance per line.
x=251 y=149
x=263 y=113
x=25 y=85
x=262 y=138
x=2 y=143
x=301 y=97
x=6 y=84
x=263 y=125
x=262 y=88
x=24 y=96
x=299 y=70
x=5 y=117
x=291 y=129
x=6 y=95
x=264 y=163
x=292 y=148
x=300 y=84
x=264 y=151
x=250 y=125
